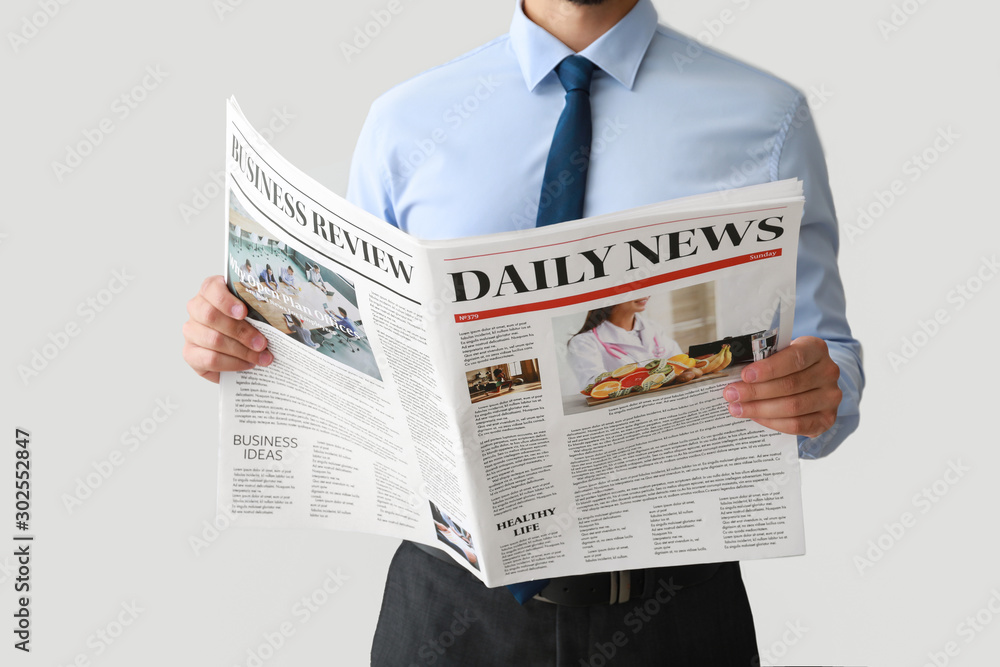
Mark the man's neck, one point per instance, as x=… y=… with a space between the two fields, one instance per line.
x=577 y=26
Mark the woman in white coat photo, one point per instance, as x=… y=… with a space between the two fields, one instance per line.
x=617 y=335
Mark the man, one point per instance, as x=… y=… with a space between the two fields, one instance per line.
x=345 y=323
x=315 y=277
x=344 y=326
x=669 y=118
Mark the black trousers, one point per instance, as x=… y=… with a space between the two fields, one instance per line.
x=436 y=613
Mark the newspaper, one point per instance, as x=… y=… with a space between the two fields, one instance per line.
x=538 y=403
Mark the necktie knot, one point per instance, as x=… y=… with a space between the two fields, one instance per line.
x=575 y=72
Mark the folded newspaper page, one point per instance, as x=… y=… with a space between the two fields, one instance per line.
x=537 y=404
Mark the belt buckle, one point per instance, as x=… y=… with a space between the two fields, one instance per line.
x=621 y=586
x=624 y=586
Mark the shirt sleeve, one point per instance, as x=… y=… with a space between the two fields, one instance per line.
x=584 y=356
x=368 y=181
x=820 y=307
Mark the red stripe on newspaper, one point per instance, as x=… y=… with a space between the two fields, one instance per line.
x=616 y=231
x=618 y=289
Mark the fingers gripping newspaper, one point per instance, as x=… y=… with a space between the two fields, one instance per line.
x=537 y=404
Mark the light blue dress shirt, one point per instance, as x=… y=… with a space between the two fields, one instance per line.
x=460 y=150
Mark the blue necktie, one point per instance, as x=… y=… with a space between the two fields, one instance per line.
x=564 y=185
x=565 y=180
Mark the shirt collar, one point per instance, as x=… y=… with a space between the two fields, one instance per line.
x=612 y=333
x=618 y=52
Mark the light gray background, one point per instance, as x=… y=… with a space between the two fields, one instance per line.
x=120 y=208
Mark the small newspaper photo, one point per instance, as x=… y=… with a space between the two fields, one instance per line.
x=536 y=404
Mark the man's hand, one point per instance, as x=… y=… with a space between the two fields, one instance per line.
x=216 y=338
x=793 y=391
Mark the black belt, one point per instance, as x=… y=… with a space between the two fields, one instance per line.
x=622 y=586
x=613 y=587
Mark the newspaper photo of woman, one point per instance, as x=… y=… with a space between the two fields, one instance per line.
x=614 y=336
x=643 y=346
